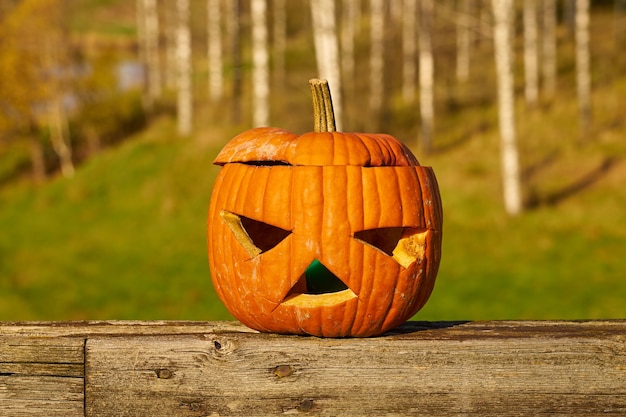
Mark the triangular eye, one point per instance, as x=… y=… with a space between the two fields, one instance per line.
x=384 y=239
x=255 y=236
x=405 y=244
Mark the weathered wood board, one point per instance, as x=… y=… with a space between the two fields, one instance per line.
x=41 y=376
x=225 y=369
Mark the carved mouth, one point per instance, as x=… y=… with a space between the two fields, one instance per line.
x=318 y=286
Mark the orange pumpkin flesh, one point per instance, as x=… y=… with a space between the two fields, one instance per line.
x=329 y=234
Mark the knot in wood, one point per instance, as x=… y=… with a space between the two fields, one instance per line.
x=305 y=405
x=282 y=371
x=164 y=373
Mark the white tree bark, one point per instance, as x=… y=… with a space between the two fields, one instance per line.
x=583 y=78
x=503 y=13
x=409 y=49
x=426 y=74
x=377 y=64
x=463 y=40
x=531 y=68
x=59 y=136
x=327 y=51
x=53 y=47
x=548 y=58
x=183 y=55
x=260 y=64
x=153 y=62
x=233 y=18
x=214 y=41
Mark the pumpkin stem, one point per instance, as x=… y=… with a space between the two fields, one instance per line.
x=323 y=114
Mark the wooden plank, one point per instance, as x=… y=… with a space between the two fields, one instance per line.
x=41 y=396
x=116 y=327
x=491 y=368
x=41 y=376
x=223 y=368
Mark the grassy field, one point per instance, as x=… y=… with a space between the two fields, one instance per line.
x=125 y=238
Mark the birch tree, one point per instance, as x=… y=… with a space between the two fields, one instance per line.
x=183 y=54
x=233 y=20
x=260 y=64
x=548 y=50
x=377 y=63
x=56 y=87
x=214 y=43
x=583 y=78
x=426 y=74
x=409 y=48
x=463 y=40
x=503 y=14
x=280 y=37
x=148 y=22
x=348 y=22
x=531 y=69
x=327 y=51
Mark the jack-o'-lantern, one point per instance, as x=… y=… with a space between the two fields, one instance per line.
x=328 y=234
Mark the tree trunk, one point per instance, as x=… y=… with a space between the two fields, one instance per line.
x=463 y=40
x=583 y=78
x=214 y=41
x=409 y=48
x=426 y=74
x=260 y=64
x=531 y=74
x=548 y=57
x=183 y=53
x=151 y=45
x=348 y=23
x=280 y=38
x=377 y=63
x=327 y=51
x=503 y=14
x=37 y=159
x=59 y=135
x=234 y=35
x=56 y=87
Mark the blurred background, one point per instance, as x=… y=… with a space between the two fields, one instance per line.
x=112 y=111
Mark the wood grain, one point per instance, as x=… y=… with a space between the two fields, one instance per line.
x=223 y=369
x=41 y=376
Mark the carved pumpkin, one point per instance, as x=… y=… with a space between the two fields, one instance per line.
x=329 y=234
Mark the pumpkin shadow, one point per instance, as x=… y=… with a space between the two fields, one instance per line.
x=421 y=326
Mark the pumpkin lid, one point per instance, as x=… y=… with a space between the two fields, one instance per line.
x=323 y=147
x=270 y=146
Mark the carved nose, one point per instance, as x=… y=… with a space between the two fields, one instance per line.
x=320 y=280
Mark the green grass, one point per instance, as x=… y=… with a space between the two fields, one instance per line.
x=125 y=238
